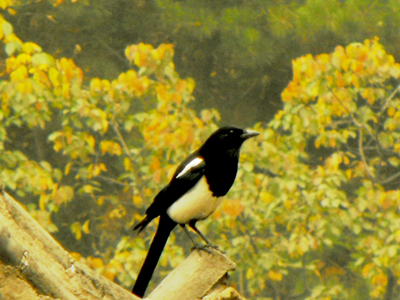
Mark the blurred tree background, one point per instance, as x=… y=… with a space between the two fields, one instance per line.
x=238 y=52
x=95 y=116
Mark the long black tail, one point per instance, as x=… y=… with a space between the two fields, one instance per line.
x=165 y=226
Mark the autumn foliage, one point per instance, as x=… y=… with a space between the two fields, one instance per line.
x=313 y=212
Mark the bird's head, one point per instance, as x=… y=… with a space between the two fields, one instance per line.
x=228 y=138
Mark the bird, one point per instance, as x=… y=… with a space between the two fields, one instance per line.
x=197 y=187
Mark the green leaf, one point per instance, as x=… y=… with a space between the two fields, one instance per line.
x=248 y=166
x=46 y=166
x=52 y=228
x=40 y=59
x=10 y=48
x=394 y=161
x=7 y=28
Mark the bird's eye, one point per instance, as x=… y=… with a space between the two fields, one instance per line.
x=231 y=131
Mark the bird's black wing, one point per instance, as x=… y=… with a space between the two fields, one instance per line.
x=188 y=173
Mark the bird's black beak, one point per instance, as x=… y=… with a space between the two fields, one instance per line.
x=248 y=134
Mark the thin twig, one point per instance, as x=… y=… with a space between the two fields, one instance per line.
x=361 y=151
x=360 y=140
x=113 y=52
x=391 y=178
x=344 y=106
x=121 y=139
x=111 y=180
x=355 y=121
x=389 y=99
x=126 y=149
x=249 y=234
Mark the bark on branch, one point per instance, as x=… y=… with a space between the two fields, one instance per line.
x=34 y=266
x=31 y=253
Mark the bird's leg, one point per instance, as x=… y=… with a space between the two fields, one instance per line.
x=208 y=243
x=195 y=245
x=188 y=233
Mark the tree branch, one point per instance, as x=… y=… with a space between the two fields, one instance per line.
x=361 y=152
x=391 y=178
x=389 y=99
x=126 y=149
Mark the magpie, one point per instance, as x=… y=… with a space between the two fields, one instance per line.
x=194 y=192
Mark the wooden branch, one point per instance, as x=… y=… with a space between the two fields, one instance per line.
x=193 y=278
x=38 y=259
x=34 y=266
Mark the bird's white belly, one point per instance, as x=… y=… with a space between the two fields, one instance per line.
x=197 y=204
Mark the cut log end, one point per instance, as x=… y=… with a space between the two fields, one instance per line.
x=194 y=277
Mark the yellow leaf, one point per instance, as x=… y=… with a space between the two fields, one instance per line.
x=90 y=140
x=63 y=194
x=54 y=77
x=67 y=168
x=57 y=145
x=11 y=11
x=367 y=269
x=276 y=276
x=249 y=273
x=75 y=255
x=42 y=201
x=19 y=74
x=88 y=189
x=30 y=48
x=85 y=227
x=379 y=279
x=25 y=87
x=95 y=85
x=97 y=262
x=100 y=200
x=137 y=200
x=96 y=170
x=266 y=197
x=391 y=111
x=44 y=183
x=332 y=142
x=106 y=84
x=320 y=140
x=354 y=81
x=110 y=147
x=76 y=228
x=321 y=171
x=65 y=90
x=155 y=164
x=232 y=207
x=128 y=164
x=109 y=275
x=23 y=58
x=333 y=162
x=288 y=204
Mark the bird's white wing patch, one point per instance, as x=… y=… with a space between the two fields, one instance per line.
x=189 y=166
